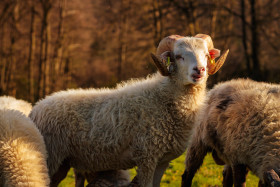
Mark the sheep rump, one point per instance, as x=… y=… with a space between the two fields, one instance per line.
x=241 y=123
x=22 y=152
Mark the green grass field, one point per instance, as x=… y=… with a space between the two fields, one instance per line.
x=209 y=174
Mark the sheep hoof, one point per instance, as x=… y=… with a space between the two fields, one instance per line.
x=272 y=178
x=186 y=181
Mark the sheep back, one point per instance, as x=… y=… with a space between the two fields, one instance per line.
x=12 y=103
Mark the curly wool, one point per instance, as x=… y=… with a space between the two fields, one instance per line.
x=241 y=122
x=139 y=123
x=8 y=102
x=22 y=152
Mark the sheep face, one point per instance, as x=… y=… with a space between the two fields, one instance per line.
x=188 y=60
x=190 y=56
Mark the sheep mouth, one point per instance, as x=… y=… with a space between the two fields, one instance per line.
x=196 y=77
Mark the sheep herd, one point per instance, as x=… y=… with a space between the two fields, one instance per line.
x=146 y=123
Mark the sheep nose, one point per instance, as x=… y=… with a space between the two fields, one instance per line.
x=199 y=69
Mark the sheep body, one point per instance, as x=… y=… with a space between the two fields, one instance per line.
x=139 y=126
x=241 y=122
x=142 y=122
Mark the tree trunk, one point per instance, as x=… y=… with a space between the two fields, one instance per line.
x=46 y=78
x=30 y=59
x=157 y=14
x=122 y=36
x=54 y=66
x=244 y=36
x=255 y=43
x=43 y=49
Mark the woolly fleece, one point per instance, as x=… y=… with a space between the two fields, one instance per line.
x=241 y=122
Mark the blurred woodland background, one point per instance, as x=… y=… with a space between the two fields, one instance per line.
x=49 y=45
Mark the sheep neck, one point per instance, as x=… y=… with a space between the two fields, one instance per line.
x=183 y=105
x=190 y=96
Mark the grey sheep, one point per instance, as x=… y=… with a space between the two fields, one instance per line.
x=240 y=124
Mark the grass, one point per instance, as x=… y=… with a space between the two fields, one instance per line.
x=209 y=175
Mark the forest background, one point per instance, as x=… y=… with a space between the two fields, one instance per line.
x=50 y=45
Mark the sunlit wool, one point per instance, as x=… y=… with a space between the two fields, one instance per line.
x=142 y=122
x=22 y=149
x=12 y=103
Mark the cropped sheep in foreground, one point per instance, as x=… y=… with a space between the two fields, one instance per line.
x=144 y=122
x=22 y=149
x=241 y=124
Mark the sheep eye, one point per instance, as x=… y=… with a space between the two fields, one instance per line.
x=178 y=57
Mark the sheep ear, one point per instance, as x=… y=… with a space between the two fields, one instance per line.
x=160 y=65
x=213 y=66
x=165 y=63
x=214 y=53
x=165 y=55
x=169 y=61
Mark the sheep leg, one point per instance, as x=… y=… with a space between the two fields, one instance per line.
x=60 y=174
x=261 y=184
x=134 y=182
x=114 y=178
x=158 y=173
x=217 y=158
x=271 y=178
x=239 y=175
x=145 y=173
x=79 y=179
x=227 y=176
x=194 y=159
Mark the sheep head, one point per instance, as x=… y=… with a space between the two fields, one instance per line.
x=197 y=54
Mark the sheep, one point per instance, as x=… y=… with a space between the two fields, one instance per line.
x=12 y=103
x=240 y=123
x=22 y=150
x=142 y=122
